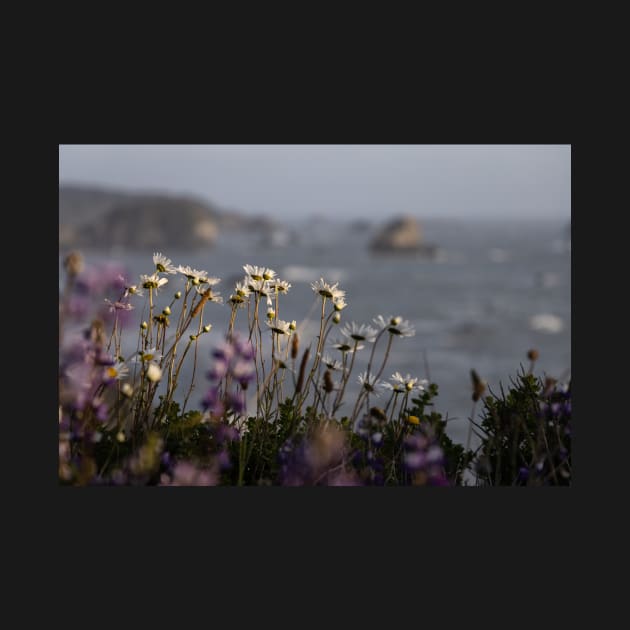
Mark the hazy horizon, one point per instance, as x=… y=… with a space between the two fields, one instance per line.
x=339 y=181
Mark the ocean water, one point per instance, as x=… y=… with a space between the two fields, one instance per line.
x=494 y=290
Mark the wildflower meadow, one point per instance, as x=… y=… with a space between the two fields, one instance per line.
x=267 y=406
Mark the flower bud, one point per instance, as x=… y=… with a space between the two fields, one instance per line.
x=167 y=310
x=154 y=372
x=120 y=436
x=533 y=355
x=336 y=318
x=144 y=325
x=394 y=321
x=193 y=337
x=207 y=328
x=178 y=295
x=270 y=313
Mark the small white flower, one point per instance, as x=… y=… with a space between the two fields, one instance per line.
x=153 y=281
x=259 y=273
x=145 y=356
x=163 y=264
x=327 y=290
x=370 y=383
x=361 y=332
x=242 y=290
x=154 y=372
x=237 y=300
x=406 y=383
x=280 y=327
x=346 y=347
x=133 y=289
x=195 y=275
x=116 y=372
x=127 y=390
x=395 y=325
x=262 y=288
x=213 y=297
x=280 y=286
x=330 y=363
x=339 y=304
x=258 y=286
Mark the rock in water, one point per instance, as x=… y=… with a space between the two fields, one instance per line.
x=401 y=235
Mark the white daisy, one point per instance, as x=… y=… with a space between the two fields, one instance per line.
x=339 y=304
x=259 y=273
x=116 y=372
x=237 y=300
x=327 y=290
x=406 y=383
x=346 y=347
x=163 y=264
x=280 y=327
x=151 y=354
x=395 y=325
x=330 y=363
x=213 y=297
x=361 y=332
x=242 y=289
x=262 y=288
x=133 y=289
x=153 y=281
x=370 y=383
x=197 y=276
x=281 y=286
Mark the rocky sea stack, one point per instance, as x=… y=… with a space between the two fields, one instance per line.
x=99 y=218
x=402 y=235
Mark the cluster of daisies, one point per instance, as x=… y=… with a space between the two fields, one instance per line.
x=200 y=280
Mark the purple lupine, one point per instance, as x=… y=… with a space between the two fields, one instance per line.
x=234 y=361
x=424 y=459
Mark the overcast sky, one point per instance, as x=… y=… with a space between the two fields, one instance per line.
x=370 y=181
